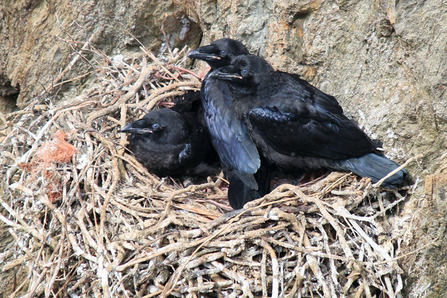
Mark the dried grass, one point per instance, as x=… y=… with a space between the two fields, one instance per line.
x=91 y=221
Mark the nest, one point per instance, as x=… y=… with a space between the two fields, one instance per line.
x=89 y=220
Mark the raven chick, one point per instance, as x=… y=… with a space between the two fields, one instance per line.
x=298 y=127
x=171 y=143
x=236 y=150
x=220 y=52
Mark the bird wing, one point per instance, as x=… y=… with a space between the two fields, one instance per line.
x=230 y=137
x=305 y=90
x=293 y=126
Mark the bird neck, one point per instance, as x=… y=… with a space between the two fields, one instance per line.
x=243 y=89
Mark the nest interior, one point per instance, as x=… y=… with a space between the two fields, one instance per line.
x=88 y=220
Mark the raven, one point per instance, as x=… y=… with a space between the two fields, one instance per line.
x=237 y=152
x=219 y=53
x=295 y=126
x=172 y=142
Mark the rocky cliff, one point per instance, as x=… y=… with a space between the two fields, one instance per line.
x=385 y=61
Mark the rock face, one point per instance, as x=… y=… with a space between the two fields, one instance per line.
x=385 y=61
x=37 y=37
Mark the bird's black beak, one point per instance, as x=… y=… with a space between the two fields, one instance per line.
x=226 y=74
x=138 y=130
x=205 y=53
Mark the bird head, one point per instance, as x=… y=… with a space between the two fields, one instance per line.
x=163 y=126
x=142 y=127
x=220 y=52
x=245 y=71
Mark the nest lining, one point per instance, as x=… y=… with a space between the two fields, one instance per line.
x=89 y=220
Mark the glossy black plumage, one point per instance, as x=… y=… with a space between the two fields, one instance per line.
x=236 y=150
x=172 y=142
x=239 y=193
x=296 y=126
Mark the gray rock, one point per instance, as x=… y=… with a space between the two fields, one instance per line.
x=385 y=61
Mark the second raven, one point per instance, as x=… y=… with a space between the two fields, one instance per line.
x=237 y=152
x=173 y=142
x=296 y=126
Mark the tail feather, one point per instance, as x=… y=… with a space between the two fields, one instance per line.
x=248 y=179
x=373 y=166
x=240 y=193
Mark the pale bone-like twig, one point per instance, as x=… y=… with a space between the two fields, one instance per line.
x=118 y=221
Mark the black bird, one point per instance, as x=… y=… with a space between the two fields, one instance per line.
x=229 y=135
x=220 y=52
x=296 y=126
x=172 y=142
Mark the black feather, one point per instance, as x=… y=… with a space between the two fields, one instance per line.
x=297 y=127
x=237 y=152
x=172 y=142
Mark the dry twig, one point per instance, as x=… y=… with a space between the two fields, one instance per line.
x=117 y=230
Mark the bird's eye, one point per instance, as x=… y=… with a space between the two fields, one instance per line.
x=223 y=52
x=155 y=125
x=244 y=72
